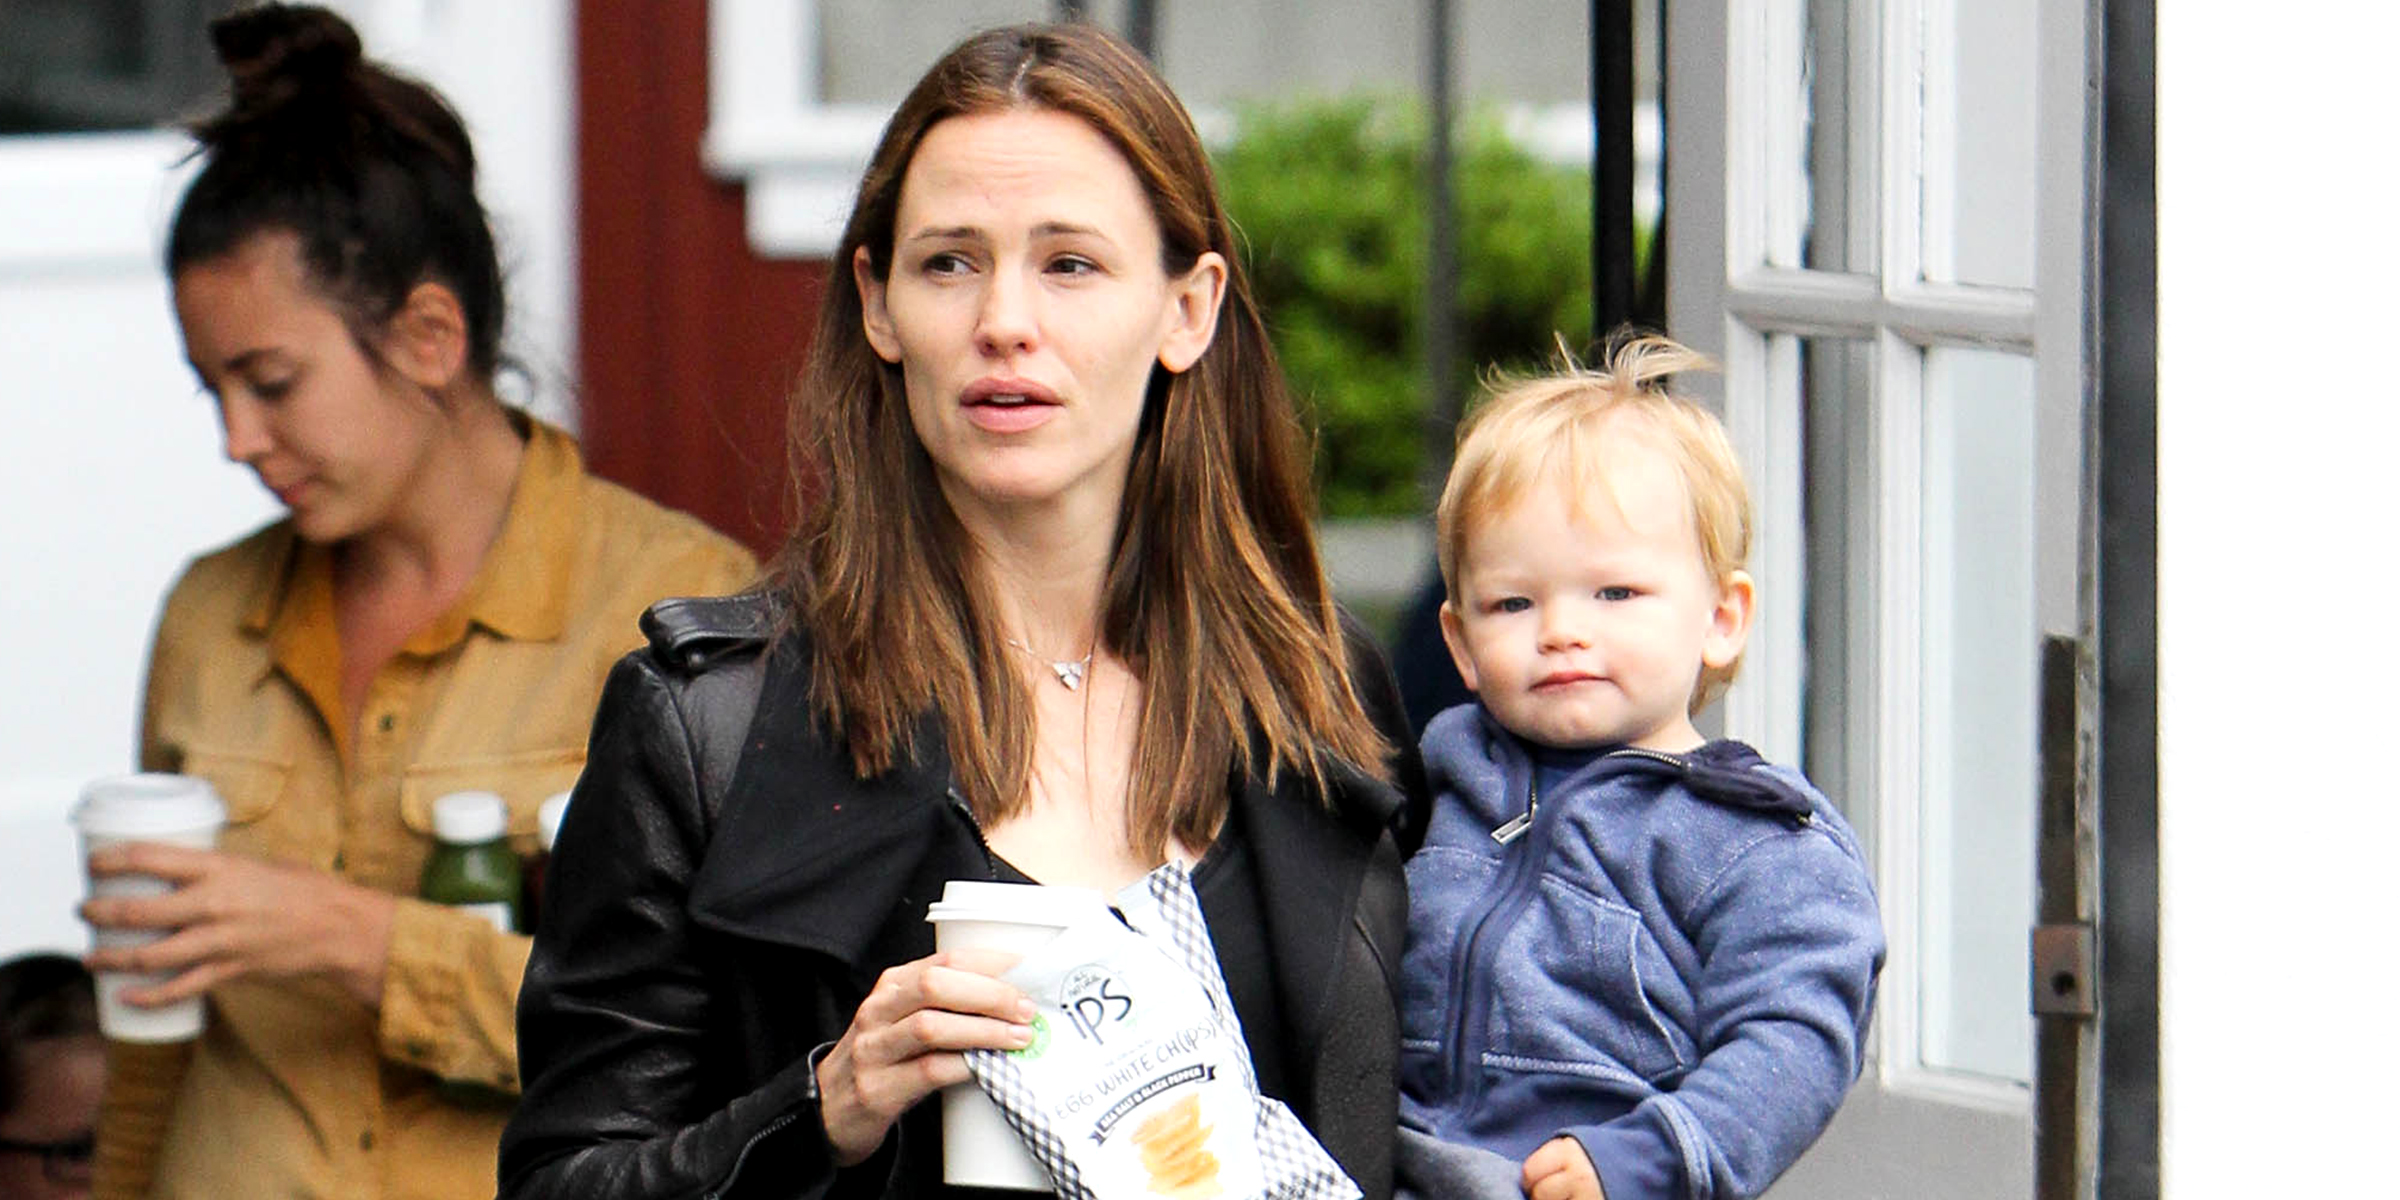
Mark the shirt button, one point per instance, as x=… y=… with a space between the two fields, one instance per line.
x=384 y=722
x=420 y=1050
x=366 y=1139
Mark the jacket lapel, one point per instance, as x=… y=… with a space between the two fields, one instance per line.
x=806 y=854
x=1313 y=859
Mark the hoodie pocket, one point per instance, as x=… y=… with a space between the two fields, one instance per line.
x=1447 y=889
x=1573 y=986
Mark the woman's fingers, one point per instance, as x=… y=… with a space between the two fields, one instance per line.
x=245 y=916
x=175 y=952
x=182 y=987
x=957 y=982
x=906 y=1039
x=175 y=864
x=170 y=910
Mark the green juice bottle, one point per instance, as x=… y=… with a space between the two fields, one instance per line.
x=473 y=869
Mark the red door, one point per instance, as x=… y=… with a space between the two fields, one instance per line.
x=689 y=341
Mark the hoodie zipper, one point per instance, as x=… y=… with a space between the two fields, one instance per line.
x=1472 y=957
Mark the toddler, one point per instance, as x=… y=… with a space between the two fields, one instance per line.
x=1640 y=963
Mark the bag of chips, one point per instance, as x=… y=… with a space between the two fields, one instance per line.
x=1138 y=1082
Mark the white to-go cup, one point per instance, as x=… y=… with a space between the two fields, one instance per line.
x=178 y=810
x=978 y=1147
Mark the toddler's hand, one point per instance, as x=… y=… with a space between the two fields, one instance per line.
x=1560 y=1170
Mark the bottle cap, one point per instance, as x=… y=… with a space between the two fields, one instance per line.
x=553 y=811
x=466 y=818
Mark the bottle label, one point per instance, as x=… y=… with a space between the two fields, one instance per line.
x=495 y=911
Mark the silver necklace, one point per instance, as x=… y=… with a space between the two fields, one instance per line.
x=1069 y=672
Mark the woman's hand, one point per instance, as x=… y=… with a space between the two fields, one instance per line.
x=1560 y=1170
x=232 y=916
x=904 y=1043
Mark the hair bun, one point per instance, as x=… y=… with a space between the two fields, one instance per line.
x=277 y=51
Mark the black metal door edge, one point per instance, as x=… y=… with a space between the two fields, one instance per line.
x=2123 y=325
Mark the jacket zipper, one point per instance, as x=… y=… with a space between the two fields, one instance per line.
x=1471 y=961
x=734 y=1172
x=1472 y=956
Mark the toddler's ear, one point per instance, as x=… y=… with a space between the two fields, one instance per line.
x=1454 y=635
x=1729 y=621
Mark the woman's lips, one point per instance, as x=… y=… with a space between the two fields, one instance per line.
x=1008 y=405
x=290 y=492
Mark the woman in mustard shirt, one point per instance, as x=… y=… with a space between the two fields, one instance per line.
x=436 y=612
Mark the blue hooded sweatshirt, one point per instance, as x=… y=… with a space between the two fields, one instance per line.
x=1669 y=957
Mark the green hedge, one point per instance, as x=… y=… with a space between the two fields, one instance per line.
x=1328 y=197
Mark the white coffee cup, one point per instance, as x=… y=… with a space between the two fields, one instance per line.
x=978 y=1147
x=178 y=810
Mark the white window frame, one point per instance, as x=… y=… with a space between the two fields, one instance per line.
x=1890 y=307
x=800 y=158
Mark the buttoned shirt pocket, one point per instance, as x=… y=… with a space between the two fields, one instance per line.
x=523 y=780
x=1573 y=987
x=252 y=788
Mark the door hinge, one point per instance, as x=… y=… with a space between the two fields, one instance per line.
x=2065 y=981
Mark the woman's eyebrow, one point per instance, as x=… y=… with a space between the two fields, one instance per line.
x=946 y=233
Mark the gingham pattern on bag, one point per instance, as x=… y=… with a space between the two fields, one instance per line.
x=998 y=1076
x=1294 y=1166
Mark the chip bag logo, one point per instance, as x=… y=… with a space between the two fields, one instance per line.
x=1096 y=1003
x=1041 y=1040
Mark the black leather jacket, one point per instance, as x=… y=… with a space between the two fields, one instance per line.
x=726 y=890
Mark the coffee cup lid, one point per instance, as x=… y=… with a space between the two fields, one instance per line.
x=152 y=803
x=1021 y=903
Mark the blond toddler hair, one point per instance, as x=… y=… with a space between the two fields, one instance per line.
x=1556 y=430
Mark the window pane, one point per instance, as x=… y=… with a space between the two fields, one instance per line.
x=1814 y=133
x=1979 y=142
x=872 y=50
x=1836 y=377
x=1978 y=657
x=83 y=65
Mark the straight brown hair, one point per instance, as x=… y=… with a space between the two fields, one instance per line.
x=1214 y=596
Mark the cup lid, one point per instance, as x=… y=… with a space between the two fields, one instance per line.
x=1021 y=903
x=151 y=803
x=466 y=818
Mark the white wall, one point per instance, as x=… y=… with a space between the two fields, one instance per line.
x=2279 y=442
x=113 y=475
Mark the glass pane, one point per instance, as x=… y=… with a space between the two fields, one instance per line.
x=1814 y=131
x=84 y=65
x=1978 y=657
x=872 y=51
x=1980 y=72
x=1835 y=397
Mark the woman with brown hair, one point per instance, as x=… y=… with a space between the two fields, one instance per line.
x=436 y=611
x=1054 y=613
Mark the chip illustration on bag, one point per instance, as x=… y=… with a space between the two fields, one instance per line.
x=1174 y=1146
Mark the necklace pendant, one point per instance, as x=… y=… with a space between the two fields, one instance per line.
x=1070 y=674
